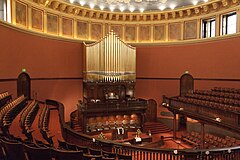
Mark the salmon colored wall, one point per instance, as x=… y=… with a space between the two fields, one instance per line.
x=42 y=57
x=49 y=58
x=216 y=59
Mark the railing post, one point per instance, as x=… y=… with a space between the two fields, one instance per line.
x=174 y=125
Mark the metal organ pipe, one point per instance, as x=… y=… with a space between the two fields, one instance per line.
x=110 y=60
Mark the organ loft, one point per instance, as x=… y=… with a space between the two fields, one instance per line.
x=109 y=81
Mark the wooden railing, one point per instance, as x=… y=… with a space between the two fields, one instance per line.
x=141 y=153
x=227 y=119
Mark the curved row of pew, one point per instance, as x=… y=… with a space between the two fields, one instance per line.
x=210 y=141
x=27 y=117
x=15 y=149
x=226 y=90
x=218 y=94
x=222 y=100
x=9 y=111
x=44 y=123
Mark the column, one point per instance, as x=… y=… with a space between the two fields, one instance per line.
x=89 y=30
x=151 y=32
x=137 y=37
x=74 y=28
x=45 y=21
x=123 y=32
x=166 y=32
x=29 y=17
x=238 y=20
x=198 y=28
x=182 y=30
x=60 y=25
x=13 y=12
x=202 y=135
x=174 y=125
x=218 y=24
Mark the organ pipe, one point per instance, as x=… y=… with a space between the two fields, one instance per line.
x=109 y=60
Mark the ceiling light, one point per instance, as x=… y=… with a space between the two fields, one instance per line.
x=91 y=5
x=141 y=9
x=71 y=1
x=101 y=7
x=82 y=3
x=172 y=6
x=194 y=2
x=162 y=7
x=131 y=8
x=111 y=8
x=121 y=8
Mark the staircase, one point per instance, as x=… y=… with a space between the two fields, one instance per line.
x=74 y=122
x=155 y=127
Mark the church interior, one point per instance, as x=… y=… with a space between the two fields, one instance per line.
x=119 y=80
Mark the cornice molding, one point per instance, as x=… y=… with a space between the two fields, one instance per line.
x=92 y=14
x=150 y=44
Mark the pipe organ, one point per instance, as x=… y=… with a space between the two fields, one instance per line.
x=110 y=60
x=108 y=86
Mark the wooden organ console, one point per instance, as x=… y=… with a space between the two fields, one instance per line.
x=109 y=78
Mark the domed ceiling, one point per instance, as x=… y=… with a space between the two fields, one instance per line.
x=136 y=5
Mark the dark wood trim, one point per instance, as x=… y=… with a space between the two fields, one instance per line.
x=58 y=78
x=8 y=79
x=197 y=79
x=138 y=78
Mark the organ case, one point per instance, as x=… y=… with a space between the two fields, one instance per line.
x=109 y=78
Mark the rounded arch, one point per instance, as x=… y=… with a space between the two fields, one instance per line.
x=186 y=84
x=24 y=85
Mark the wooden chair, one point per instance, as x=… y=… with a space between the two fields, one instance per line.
x=82 y=148
x=106 y=154
x=91 y=157
x=71 y=147
x=124 y=157
x=13 y=150
x=67 y=155
x=38 y=153
x=62 y=145
x=95 y=151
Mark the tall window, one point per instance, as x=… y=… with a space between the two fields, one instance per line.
x=3 y=10
x=208 y=28
x=229 y=23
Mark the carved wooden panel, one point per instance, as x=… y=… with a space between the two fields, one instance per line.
x=190 y=29
x=144 y=33
x=37 y=19
x=130 y=33
x=174 y=31
x=159 y=32
x=96 y=31
x=117 y=29
x=67 y=26
x=21 y=13
x=82 y=30
x=52 y=23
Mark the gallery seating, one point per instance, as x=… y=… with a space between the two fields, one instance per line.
x=27 y=117
x=67 y=155
x=37 y=153
x=13 y=149
x=10 y=111
x=211 y=141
